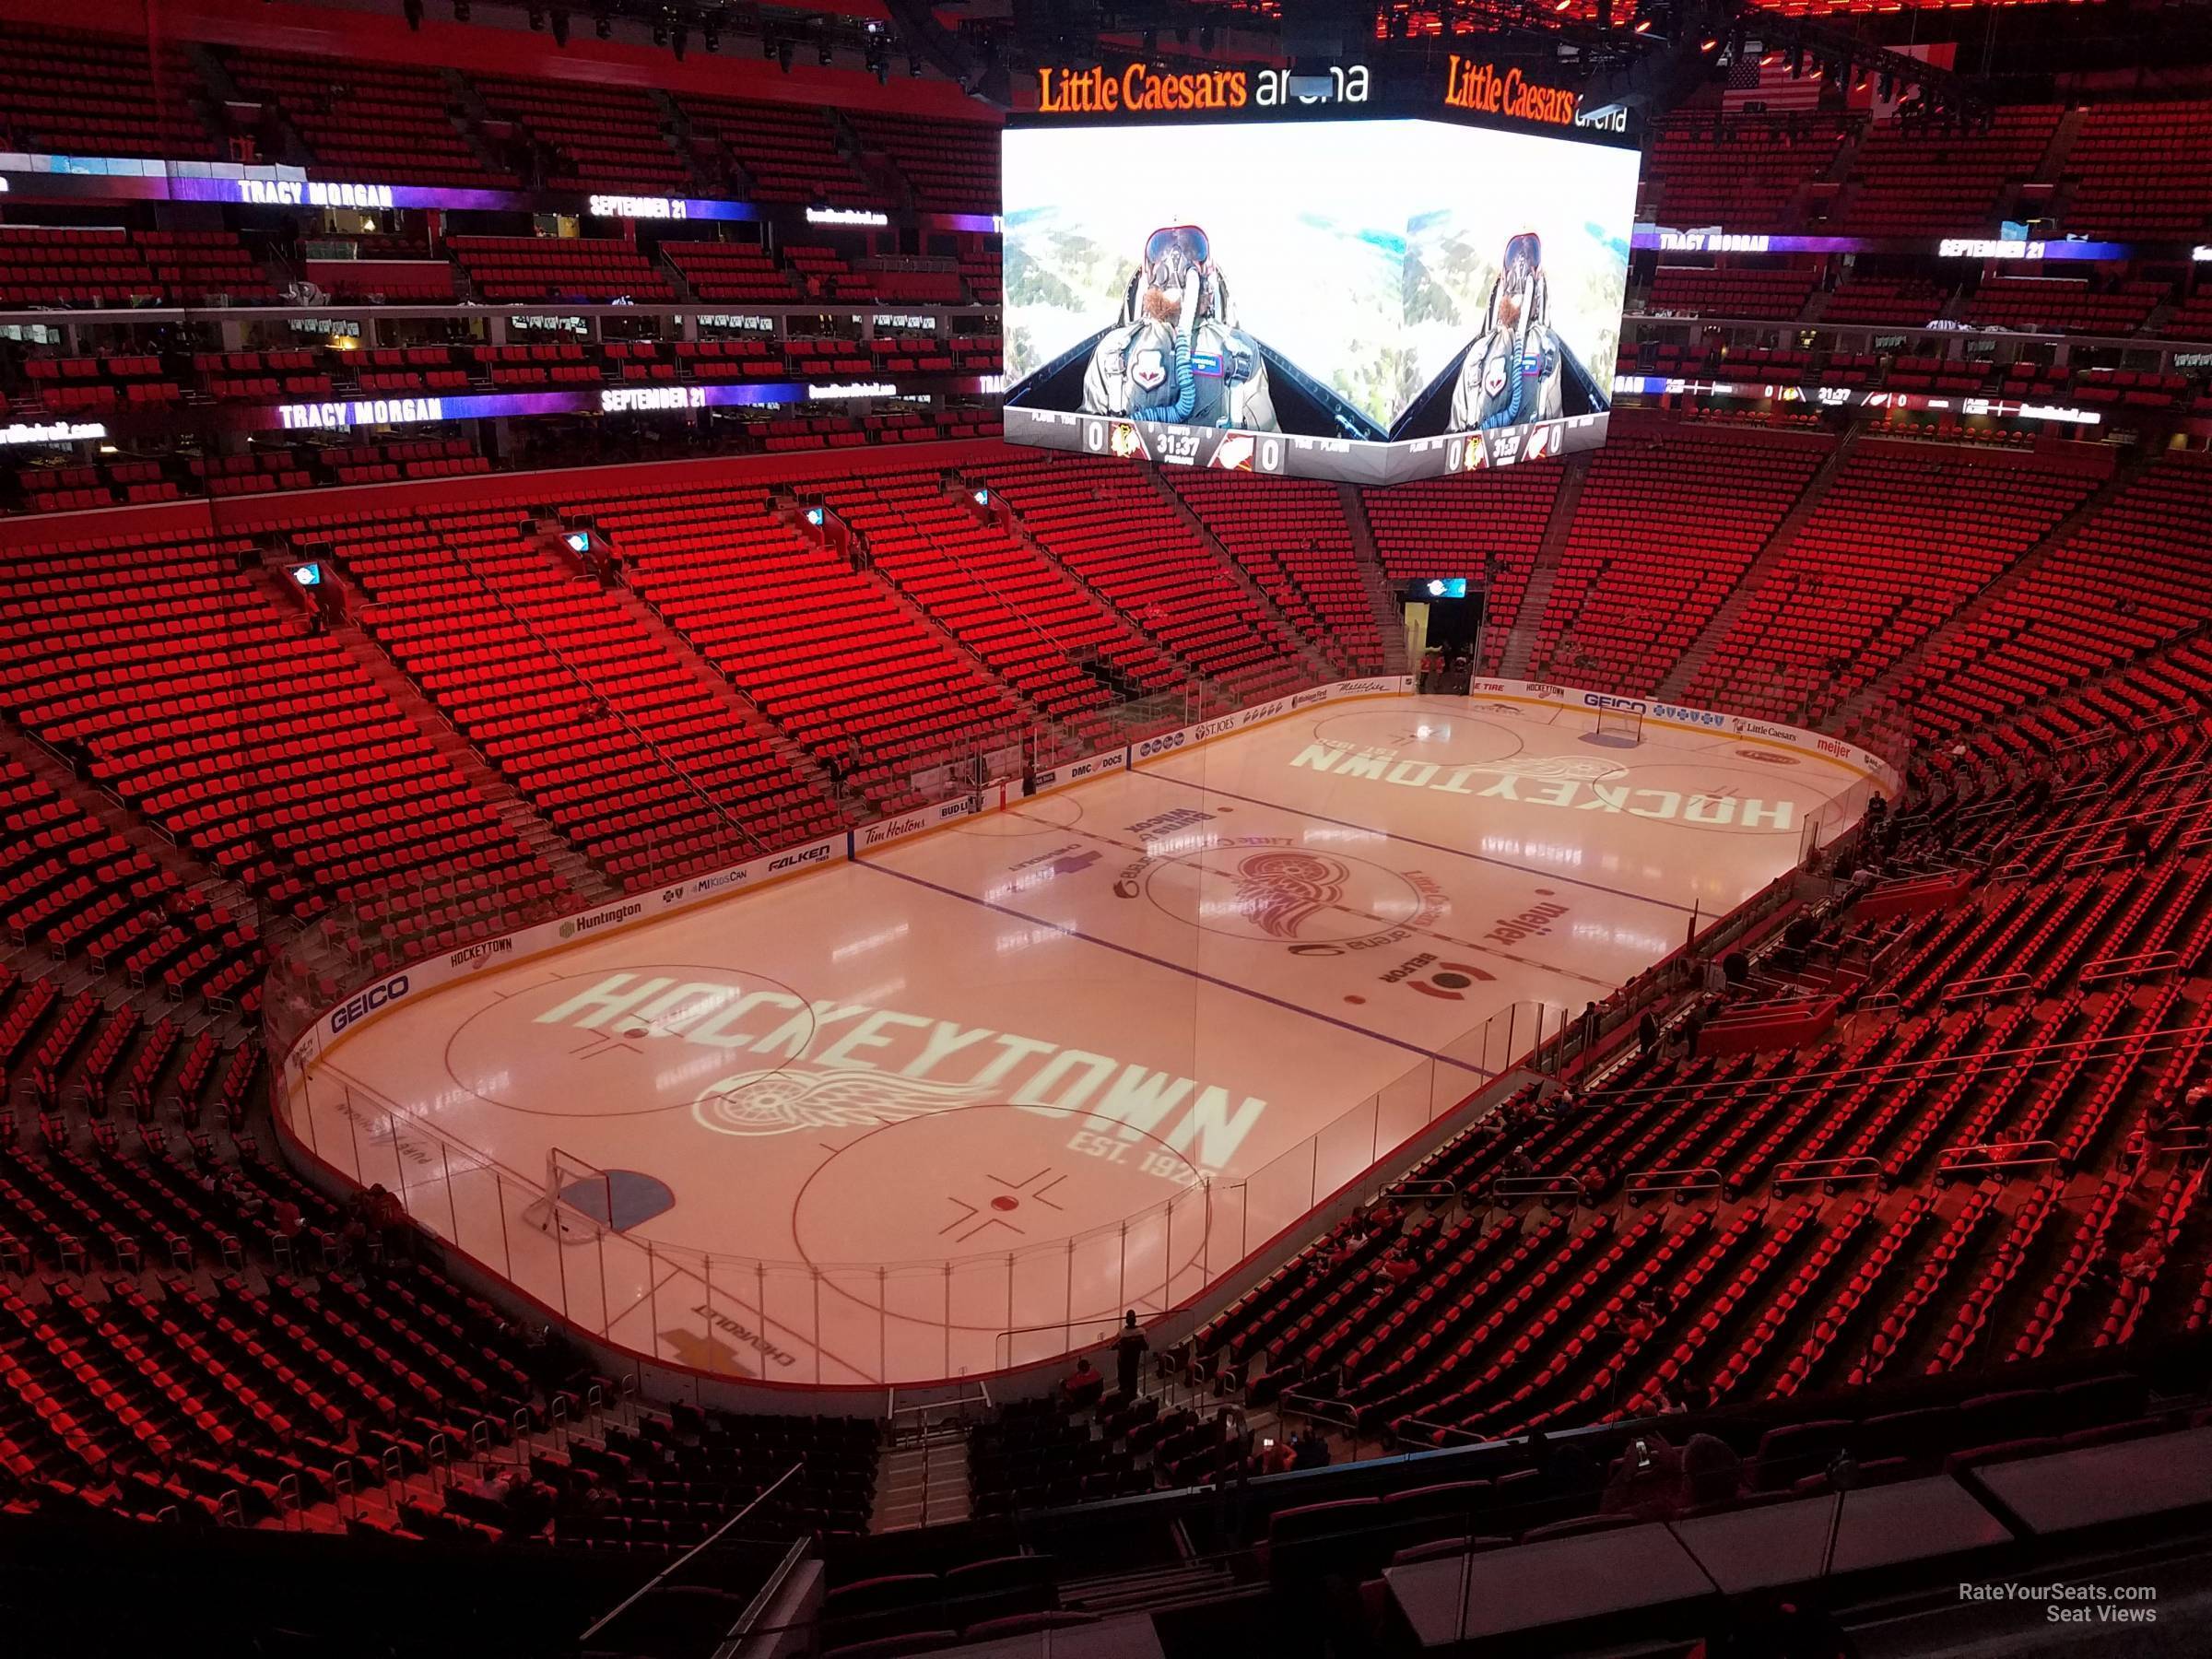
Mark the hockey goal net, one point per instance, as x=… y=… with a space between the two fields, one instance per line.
x=577 y=1200
x=1620 y=726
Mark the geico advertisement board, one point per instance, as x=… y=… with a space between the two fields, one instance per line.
x=1698 y=719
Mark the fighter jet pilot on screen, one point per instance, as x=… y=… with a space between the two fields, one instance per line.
x=1511 y=375
x=1177 y=354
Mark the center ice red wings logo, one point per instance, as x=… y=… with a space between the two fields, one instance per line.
x=777 y=1102
x=1277 y=892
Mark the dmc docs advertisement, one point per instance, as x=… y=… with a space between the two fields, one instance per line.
x=1359 y=300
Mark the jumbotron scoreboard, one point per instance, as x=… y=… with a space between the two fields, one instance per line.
x=1291 y=275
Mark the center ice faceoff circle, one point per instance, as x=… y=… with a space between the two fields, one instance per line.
x=1257 y=888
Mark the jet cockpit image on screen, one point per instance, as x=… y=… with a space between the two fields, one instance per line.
x=1179 y=353
x=1518 y=370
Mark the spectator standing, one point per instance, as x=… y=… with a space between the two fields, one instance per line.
x=1129 y=1350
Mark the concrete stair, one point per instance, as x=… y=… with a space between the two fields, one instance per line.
x=1521 y=632
x=2052 y=169
x=929 y=625
x=921 y=1483
x=521 y=820
x=1716 y=629
x=1319 y=668
x=1210 y=690
x=1155 y=1589
x=75 y=974
x=1901 y=673
x=1389 y=621
x=743 y=712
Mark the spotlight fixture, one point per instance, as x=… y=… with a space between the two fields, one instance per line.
x=413 y=8
x=913 y=65
x=768 y=45
x=537 y=19
x=683 y=38
x=710 y=37
x=604 y=26
x=784 y=56
x=561 y=28
x=660 y=34
x=824 y=53
x=460 y=11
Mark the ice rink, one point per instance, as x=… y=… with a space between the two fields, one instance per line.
x=960 y=1101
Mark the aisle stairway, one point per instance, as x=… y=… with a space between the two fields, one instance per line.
x=1520 y=631
x=1724 y=619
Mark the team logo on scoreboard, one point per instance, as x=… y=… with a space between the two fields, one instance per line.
x=777 y=1102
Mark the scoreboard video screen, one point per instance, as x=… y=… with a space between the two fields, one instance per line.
x=1361 y=300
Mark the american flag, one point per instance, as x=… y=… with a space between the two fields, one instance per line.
x=1763 y=80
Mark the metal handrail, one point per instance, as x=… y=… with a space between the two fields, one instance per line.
x=2027 y=1155
x=1811 y=1171
x=642 y=1591
x=1649 y=1184
x=759 y=1605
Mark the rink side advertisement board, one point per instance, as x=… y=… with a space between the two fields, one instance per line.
x=1314 y=275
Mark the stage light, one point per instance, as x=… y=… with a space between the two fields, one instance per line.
x=537 y=20
x=604 y=26
x=768 y=46
x=784 y=56
x=683 y=37
x=413 y=8
x=824 y=53
x=460 y=11
x=561 y=29
x=710 y=37
x=660 y=34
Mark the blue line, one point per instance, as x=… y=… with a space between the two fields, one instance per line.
x=1076 y=933
x=1307 y=812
